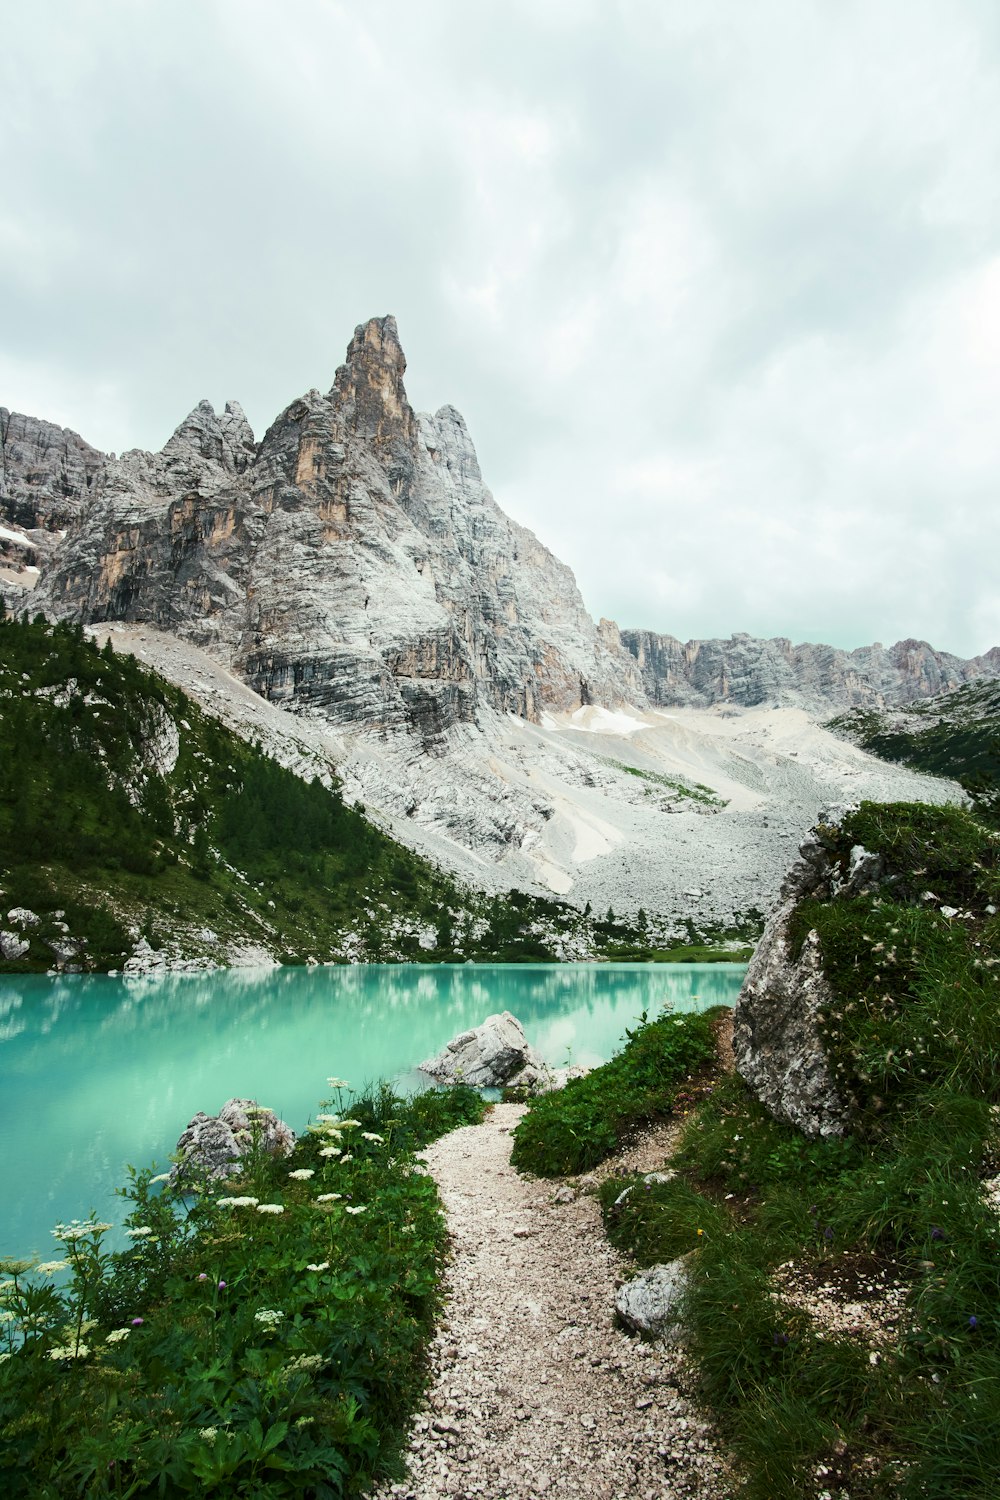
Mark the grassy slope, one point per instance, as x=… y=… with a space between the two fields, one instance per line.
x=915 y=1035
x=956 y=735
x=216 y=849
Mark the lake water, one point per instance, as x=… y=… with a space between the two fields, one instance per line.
x=96 y=1072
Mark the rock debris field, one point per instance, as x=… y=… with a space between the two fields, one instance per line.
x=535 y=1391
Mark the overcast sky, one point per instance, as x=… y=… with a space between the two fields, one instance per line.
x=715 y=285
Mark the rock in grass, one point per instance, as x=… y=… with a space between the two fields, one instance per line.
x=777 y=1040
x=216 y=1144
x=650 y=1304
x=495 y=1055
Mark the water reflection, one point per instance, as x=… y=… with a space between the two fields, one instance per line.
x=97 y=1071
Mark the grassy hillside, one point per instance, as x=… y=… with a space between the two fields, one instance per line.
x=956 y=735
x=843 y=1293
x=128 y=812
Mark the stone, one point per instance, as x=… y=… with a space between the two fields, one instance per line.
x=20 y=916
x=12 y=946
x=777 y=1040
x=650 y=1303
x=214 y=1145
x=494 y=1055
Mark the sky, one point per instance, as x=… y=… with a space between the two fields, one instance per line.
x=716 y=286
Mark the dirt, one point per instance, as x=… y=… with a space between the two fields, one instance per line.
x=535 y=1390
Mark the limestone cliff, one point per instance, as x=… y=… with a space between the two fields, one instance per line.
x=748 y=671
x=352 y=562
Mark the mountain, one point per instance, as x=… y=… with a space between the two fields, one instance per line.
x=748 y=671
x=353 y=570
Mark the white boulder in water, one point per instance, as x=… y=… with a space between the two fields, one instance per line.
x=495 y=1055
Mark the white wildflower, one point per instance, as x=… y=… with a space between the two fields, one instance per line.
x=160 y=1177
x=69 y=1351
x=324 y=1265
x=328 y=1197
x=49 y=1268
x=338 y=1083
x=329 y=1152
x=345 y=1159
x=208 y=1433
x=360 y=1209
x=369 y=1135
x=303 y=1174
x=141 y=1232
x=117 y=1334
x=268 y=1317
x=237 y=1202
x=270 y=1208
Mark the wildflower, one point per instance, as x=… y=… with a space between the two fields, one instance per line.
x=208 y=1433
x=270 y=1208
x=78 y=1231
x=936 y=1233
x=369 y=1135
x=160 y=1177
x=237 y=1202
x=141 y=1232
x=409 y=1229
x=360 y=1209
x=268 y=1317
x=329 y=1151
x=117 y=1334
x=345 y=1159
x=304 y=1362
x=828 y=1232
x=347 y=1124
x=50 y=1267
x=222 y=1285
x=973 y=1321
x=701 y=1231
x=202 y=1276
x=328 y=1120
x=328 y=1197
x=338 y=1083
x=137 y=1322
x=324 y=1265
x=303 y=1174
x=69 y=1351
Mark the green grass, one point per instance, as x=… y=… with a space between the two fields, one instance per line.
x=915 y=1034
x=574 y=1128
x=231 y=1352
x=694 y=791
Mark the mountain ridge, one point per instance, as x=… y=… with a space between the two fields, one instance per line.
x=420 y=603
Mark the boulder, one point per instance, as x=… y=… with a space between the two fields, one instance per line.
x=214 y=1145
x=495 y=1055
x=650 y=1304
x=777 y=1041
x=12 y=946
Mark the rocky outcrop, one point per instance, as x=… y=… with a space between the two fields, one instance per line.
x=777 y=1037
x=747 y=671
x=650 y=1304
x=494 y=1055
x=214 y=1145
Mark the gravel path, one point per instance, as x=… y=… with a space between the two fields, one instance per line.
x=535 y=1391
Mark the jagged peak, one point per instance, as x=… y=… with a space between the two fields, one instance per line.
x=368 y=391
x=227 y=439
x=447 y=440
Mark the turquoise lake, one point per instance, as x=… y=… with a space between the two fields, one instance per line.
x=96 y=1072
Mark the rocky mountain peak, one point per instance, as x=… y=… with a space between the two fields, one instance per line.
x=227 y=439
x=368 y=392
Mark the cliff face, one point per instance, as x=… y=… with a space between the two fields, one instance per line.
x=747 y=671
x=352 y=562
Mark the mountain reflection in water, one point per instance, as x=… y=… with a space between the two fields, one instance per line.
x=97 y=1071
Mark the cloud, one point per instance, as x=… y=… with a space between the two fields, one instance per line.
x=717 y=288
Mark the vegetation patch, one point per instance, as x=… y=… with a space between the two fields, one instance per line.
x=264 y=1336
x=572 y=1129
x=693 y=791
x=819 y=1392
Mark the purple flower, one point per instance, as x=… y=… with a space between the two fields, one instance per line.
x=221 y=1285
x=936 y=1233
x=137 y=1321
x=973 y=1321
x=203 y=1276
x=828 y=1232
